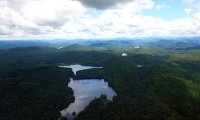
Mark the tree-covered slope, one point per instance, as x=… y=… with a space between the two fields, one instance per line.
x=165 y=85
x=35 y=93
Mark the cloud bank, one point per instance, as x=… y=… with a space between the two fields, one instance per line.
x=71 y=19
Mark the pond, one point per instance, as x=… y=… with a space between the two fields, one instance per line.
x=76 y=68
x=85 y=91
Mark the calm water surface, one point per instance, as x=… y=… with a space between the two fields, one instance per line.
x=85 y=91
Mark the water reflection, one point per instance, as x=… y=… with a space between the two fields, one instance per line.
x=85 y=91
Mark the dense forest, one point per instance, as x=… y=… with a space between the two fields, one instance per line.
x=34 y=93
x=166 y=85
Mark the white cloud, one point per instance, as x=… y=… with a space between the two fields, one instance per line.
x=188 y=10
x=52 y=12
x=197 y=15
x=161 y=6
x=33 y=17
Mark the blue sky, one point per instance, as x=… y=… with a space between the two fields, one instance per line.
x=170 y=10
x=72 y=19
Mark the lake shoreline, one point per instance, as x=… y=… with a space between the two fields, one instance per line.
x=85 y=91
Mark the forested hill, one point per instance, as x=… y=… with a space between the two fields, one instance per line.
x=37 y=93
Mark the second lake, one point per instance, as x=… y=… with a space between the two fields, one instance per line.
x=85 y=91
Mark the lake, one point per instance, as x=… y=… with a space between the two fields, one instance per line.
x=85 y=91
x=76 y=68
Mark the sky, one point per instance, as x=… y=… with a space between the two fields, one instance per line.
x=96 y=19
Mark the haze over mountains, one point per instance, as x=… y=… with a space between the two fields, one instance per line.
x=117 y=42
